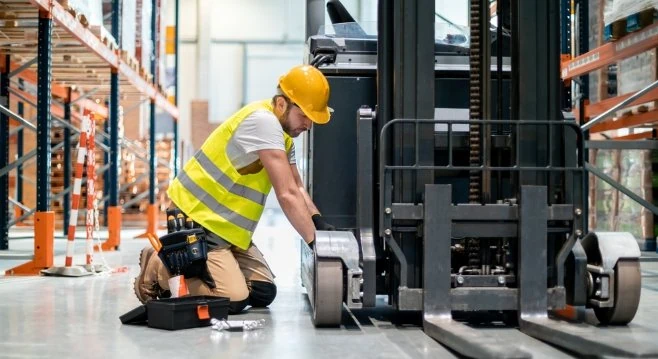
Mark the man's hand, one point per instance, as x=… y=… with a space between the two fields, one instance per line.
x=321 y=224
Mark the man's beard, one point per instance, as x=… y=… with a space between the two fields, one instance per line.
x=285 y=124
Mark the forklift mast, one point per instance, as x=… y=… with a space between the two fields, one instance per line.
x=460 y=187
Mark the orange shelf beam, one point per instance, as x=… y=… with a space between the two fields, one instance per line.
x=54 y=109
x=86 y=37
x=636 y=136
x=166 y=105
x=146 y=88
x=59 y=91
x=650 y=117
x=629 y=45
x=98 y=109
x=93 y=43
x=30 y=76
x=43 y=4
x=600 y=107
x=137 y=81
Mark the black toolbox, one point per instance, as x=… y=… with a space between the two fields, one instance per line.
x=179 y=313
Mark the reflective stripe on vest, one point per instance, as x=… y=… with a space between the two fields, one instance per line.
x=227 y=182
x=212 y=192
x=213 y=204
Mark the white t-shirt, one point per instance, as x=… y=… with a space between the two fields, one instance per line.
x=259 y=131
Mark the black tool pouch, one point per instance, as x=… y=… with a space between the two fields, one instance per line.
x=185 y=252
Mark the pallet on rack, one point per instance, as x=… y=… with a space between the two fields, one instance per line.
x=105 y=36
x=9 y=18
x=130 y=59
x=631 y=23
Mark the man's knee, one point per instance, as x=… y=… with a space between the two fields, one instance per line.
x=239 y=296
x=235 y=307
x=262 y=293
x=239 y=299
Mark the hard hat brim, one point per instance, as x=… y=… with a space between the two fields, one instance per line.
x=319 y=117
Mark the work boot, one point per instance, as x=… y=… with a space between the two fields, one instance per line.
x=145 y=288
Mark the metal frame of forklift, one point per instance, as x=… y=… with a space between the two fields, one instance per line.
x=404 y=213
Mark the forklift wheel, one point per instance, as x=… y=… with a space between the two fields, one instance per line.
x=328 y=292
x=628 y=284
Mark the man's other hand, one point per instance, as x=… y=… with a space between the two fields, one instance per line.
x=321 y=224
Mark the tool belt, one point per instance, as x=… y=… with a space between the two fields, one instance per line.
x=185 y=248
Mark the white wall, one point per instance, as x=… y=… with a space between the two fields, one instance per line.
x=271 y=35
x=187 y=62
x=226 y=29
x=269 y=32
x=265 y=64
x=454 y=10
x=256 y=20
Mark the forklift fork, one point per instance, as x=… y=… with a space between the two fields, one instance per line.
x=533 y=299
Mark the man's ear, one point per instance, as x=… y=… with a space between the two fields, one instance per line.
x=280 y=106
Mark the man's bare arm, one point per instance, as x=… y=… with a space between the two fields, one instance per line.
x=312 y=209
x=291 y=200
x=319 y=221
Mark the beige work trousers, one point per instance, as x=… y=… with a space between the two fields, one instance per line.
x=233 y=270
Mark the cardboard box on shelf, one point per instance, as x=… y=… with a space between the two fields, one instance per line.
x=620 y=9
x=143 y=43
x=128 y=26
x=625 y=16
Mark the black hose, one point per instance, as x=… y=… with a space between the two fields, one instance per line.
x=319 y=60
x=316 y=60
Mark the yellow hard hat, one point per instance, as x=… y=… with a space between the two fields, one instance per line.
x=307 y=87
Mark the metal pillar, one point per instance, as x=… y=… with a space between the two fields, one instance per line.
x=384 y=64
x=112 y=208
x=535 y=79
x=583 y=40
x=44 y=218
x=176 y=57
x=565 y=46
x=153 y=159
x=43 y=112
x=19 y=154
x=583 y=47
x=414 y=86
x=114 y=112
x=4 y=155
x=152 y=155
x=152 y=211
x=315 y=10
x=384 y=109
x=68 y=164
x=106 y=159
x=413 y=97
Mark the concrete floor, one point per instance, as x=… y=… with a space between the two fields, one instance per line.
x=48 y=317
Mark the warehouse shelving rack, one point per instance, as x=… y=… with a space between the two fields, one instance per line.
x=72 y=66
x=578 y=63
x=611 y=52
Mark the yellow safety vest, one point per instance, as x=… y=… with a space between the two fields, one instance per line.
x=212 y=192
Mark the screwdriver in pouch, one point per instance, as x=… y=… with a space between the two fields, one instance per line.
x=171 y=224
x=180 y=221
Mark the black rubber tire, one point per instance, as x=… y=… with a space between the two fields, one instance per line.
x=628 y=285
x=328 y=293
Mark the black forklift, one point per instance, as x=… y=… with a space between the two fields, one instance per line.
x=458 y=181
